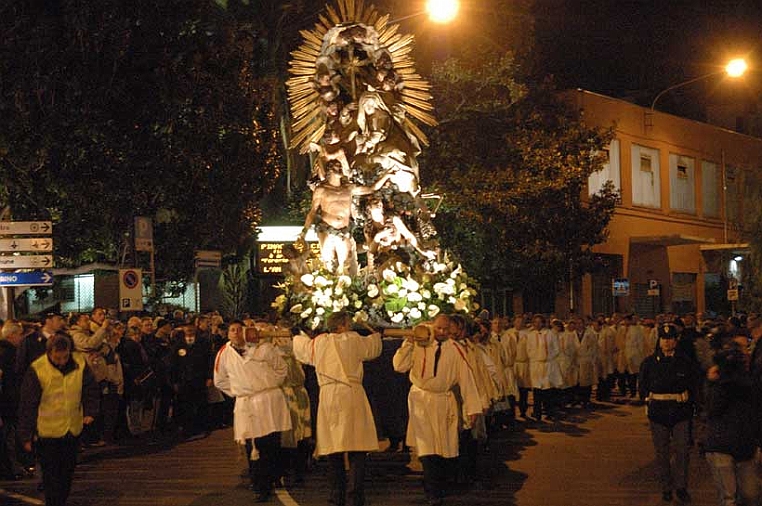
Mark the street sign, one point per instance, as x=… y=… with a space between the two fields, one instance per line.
x=130 y=289
x=41 y=244
x=653 y=288
x=733 y=294
x=26 y=261
x=143 y=233
x=26 y=228
x=35 y=278
x=620 y=287
x=209 y=259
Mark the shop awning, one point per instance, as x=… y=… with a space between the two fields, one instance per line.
x=671 y=240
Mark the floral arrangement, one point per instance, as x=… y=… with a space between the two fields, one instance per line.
x=394 y=296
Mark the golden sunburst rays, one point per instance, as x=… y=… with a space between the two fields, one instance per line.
x=308 y=93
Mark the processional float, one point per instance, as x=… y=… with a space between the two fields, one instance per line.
x=356 y=103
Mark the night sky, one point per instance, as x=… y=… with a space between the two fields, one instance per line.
x=636 y=48
x=623 y=48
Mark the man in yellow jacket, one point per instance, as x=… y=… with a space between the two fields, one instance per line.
x=59 y=396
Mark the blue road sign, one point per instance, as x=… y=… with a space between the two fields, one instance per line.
x=34 y=278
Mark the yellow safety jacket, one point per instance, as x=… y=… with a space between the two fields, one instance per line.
x=60 y=410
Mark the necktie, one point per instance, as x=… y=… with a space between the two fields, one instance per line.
x=437 y=354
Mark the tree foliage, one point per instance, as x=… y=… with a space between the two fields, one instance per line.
x=114 y=109
x=513 y=164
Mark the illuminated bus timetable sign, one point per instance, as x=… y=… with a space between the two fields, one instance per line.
x=270 y=259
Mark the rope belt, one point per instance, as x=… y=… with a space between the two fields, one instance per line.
x=681 y=397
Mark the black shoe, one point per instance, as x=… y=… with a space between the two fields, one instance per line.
x=683 y=495
x=666 y=496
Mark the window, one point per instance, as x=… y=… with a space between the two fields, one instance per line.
x=609 y=172
x=710 y=196
x=646 y=185
x=682 y=185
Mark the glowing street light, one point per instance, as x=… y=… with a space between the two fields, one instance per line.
x=442 y=11
x=736 y=67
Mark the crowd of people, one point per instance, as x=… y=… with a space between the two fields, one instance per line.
x=442 y=388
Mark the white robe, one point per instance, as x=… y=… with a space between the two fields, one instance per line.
x=543 y=350
x=508 y=341
x=521 y=365
x=567 y=358
x=344 y=419
x=587 y=358
x=255 y=380
x=606 y=351
x=433 y=423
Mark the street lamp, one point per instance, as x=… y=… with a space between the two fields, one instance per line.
x=735 y=68
x=442 y=11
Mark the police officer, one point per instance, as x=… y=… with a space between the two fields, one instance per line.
x=668 y=383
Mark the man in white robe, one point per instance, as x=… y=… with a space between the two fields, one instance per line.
x=544 y=370
x=344 y=420
x=253 y=372
x=437 y=365
x=587 y=357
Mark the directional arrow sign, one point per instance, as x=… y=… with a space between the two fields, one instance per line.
x=40 y=244
x=36 y=278
x=26 y=262
x=26 y=228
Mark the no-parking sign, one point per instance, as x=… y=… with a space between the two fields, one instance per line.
x=130 y=289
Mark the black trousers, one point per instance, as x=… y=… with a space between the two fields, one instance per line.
x=434 y=476
x=523 y=400
x=266 y=470
x=347 y=487
x=58 y=458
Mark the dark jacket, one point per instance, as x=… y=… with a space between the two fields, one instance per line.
x=668 y=375
x=189 y=365
x=9 y=382
x=732 y=422
x=30 y=349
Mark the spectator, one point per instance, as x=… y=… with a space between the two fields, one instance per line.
x=10 y=466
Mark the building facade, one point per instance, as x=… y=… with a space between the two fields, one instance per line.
x=687 y=189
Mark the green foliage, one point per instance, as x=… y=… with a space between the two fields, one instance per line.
x=112 y=110
x=513 y=164
x=233 y=285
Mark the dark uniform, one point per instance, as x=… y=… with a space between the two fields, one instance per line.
x=189 y=372
x=669 y=384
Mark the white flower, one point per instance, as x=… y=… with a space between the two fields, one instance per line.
x=321 y=282
x=344 y=301
x=422 y=306
x=306 y=313
x=391 y=289
x=307 y=279
x=464 y=294
x=361 y=316
x=320 y=311
x=414 y=297
x=411 y=284
x=315 y=322
x=451 y=282
x=426 y=294
x=337 y=305
x=415 y=313
x=372 y=291
x=389 y=275
x=402 y=292
x=328 y=292
x=433 y=310
x=462 y=286
x=343 y=281
x=397 y=317
x=358 y=304
x=338 y=291
x=451 y=299
x=296 y=308
x=458 y=270
x=459 y=305
x=406 y=310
